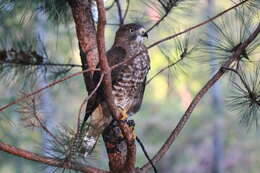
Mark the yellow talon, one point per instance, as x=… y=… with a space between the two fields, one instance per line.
x=123 y=114
x=133 y=135
x=121 y=135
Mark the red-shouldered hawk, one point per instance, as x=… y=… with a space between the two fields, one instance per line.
x=128 y=80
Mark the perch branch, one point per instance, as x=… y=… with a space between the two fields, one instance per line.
x=86 y=34
x=107 y=83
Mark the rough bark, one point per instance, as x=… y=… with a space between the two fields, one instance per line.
x=86 y=34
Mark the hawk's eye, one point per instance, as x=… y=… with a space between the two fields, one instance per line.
x=131 y=30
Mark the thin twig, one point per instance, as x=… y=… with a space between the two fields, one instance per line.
x=126 y=10
x=86 y=99
x=235 y=56
x=43 y=125
x=46 y=87
x=109 y=7
x=163 y=69
x=157 y=23
x=196 y=26
x=241 y=78
x=119 y=12
x=167 y=12
x=146 y=154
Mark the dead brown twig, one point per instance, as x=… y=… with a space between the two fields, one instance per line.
x=86 y=100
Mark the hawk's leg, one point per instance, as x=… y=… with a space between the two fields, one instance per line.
x=131 y=124
x=123 y=114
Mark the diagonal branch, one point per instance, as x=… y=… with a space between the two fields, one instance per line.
x=49 y=161
x=198 y=97
x=163 y=69
x=86 y=100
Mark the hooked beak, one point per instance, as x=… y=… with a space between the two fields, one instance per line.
x=143 y=33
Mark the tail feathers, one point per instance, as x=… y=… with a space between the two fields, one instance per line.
x=89 y=143
x=98 y=122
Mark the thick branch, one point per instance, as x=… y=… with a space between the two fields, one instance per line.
x=198 y=97
x=86 y=33
x=85 y=29
x=107 y=83
x=49 y=161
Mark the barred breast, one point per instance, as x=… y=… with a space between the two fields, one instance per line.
x=131 y=77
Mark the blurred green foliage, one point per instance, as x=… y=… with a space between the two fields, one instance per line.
x=166 y=98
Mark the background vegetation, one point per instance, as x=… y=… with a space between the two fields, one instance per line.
x=214 y=131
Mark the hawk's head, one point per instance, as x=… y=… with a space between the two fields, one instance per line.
x=131 y=33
